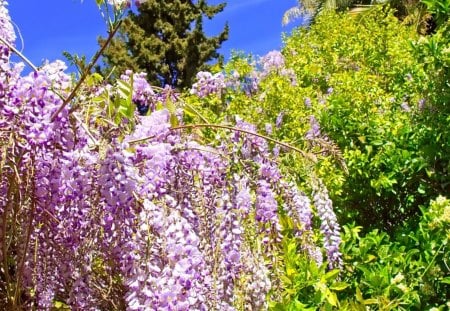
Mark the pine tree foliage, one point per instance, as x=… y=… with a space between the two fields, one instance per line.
x=166 y=40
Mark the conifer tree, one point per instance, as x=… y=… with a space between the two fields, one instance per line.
x=165 y=39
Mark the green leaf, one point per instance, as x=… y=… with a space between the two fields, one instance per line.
x=331 y=274
x=331 y=298
x=338 y=286
x=286 y=281
x=359 y=296
x=371 y=301
x=173 y=119
x=170 y=106
x=446 y=280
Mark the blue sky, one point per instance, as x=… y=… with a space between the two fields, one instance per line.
x=49 y=27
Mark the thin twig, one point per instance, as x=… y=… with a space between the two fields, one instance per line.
x=16 y=51
x=91 y=136
x=87 y=71
x=20 y=36
x=306 y=155
x=196 y=112
x=29 y=230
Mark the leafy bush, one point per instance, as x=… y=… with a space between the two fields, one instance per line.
x=362 y=93
x=409 y=272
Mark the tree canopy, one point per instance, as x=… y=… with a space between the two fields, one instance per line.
x=166 y=40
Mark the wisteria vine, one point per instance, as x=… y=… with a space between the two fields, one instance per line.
x=147 y=219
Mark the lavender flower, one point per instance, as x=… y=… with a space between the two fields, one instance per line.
x=143 y=94
x=272 y=61
x=329 y=227
x=279 y=119
x=314 y=131
x=266 y=207
x=6 y=28
x=421 y=104
x=268 y=128
x=308 y=102
x=207 y=84
x=405 y=107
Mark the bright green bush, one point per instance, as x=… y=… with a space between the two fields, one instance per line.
x=409 y=272
x=380 y=94
x=368 y=63
x=366 y=84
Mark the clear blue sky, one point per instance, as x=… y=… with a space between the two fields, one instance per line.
x=49 y=27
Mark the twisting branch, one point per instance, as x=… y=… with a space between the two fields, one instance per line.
x=306 y=155
x=88 y=70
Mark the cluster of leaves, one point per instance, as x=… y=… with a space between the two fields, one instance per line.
x=410 y=272
x=376 y=87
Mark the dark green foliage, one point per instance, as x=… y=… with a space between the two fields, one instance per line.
x=408 y=272
x=165 y=39
x=440 y=9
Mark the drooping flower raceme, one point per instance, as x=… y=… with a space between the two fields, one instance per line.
x=6 y=28
x=151 y=219
x=208 y=83
x=329 y=227
x=272 y=61
x=218 y=83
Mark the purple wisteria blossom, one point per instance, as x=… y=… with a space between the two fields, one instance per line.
x=329 y=227
x=6 y=27
x=308 y=102
x=208 y=83
x=266 y=207
x=314 y=131
x=143 y=95
x=152 y=218
x=405 y=107
x=273 y=60
x=219 y=83
x=279 y=119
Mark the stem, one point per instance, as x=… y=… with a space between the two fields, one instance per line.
x=94 y=141
x=306 y=155
x=4 y=236
x=433 y=260
x=28 y=236
x=196 y=112
x=87 y=71
x=12 y=48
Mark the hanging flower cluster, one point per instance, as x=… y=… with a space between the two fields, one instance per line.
x=152 y=219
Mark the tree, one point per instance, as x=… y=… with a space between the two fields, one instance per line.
x=411 y=12
x=311 y=8
x=165 y=39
